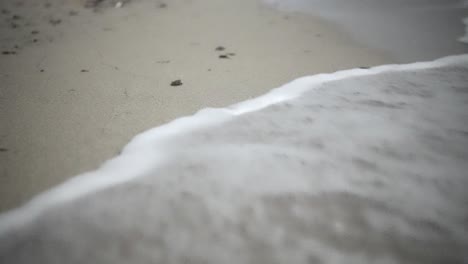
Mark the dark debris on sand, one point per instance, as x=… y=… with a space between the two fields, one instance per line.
x=55 y=15
x=7 y=52
x=226 y=55
x=54 y=21
x=176 y=83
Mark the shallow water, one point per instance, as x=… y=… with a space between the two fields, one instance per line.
x=410 y=31
x=360 y=166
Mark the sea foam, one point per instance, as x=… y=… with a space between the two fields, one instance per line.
x=357 y=166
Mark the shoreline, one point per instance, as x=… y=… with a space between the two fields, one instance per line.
x=119 y=170
x=406 y=32
x=72 y=100
x=186 y=191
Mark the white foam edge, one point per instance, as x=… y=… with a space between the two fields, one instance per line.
x=146 y=150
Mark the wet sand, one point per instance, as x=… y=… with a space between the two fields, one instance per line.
x=420 y=30
x=76 y=84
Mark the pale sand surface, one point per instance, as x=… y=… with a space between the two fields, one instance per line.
x=60 y=122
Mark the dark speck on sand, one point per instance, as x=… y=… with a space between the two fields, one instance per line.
x=55 y=22
x=35 y=32
x=176 y=83
x=220 y=48
x=84 y=70
x=162 y=5
x=3 y=149
x=223 y=56
x=364 y=67
x=8 y=52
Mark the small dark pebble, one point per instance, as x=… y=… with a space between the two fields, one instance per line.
x=16 y=17
x=42 y=70
x=3 y=149
x=176 y=83
x=84 y=70
x=72 y=13
x=364 y=67
x=162 y=5
x=5 y=12
x=220 y=48
x=16 y=47
x=209 y=69
x=35 y=40
x=35 y=32
x=13 y=25
x=8 y=52
x=223 y=56
x=55 y=22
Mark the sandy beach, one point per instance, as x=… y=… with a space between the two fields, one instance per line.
x=77 y=84
x=362 y=166
x=217 y=131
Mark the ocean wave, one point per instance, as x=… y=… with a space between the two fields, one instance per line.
x=356 y=159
